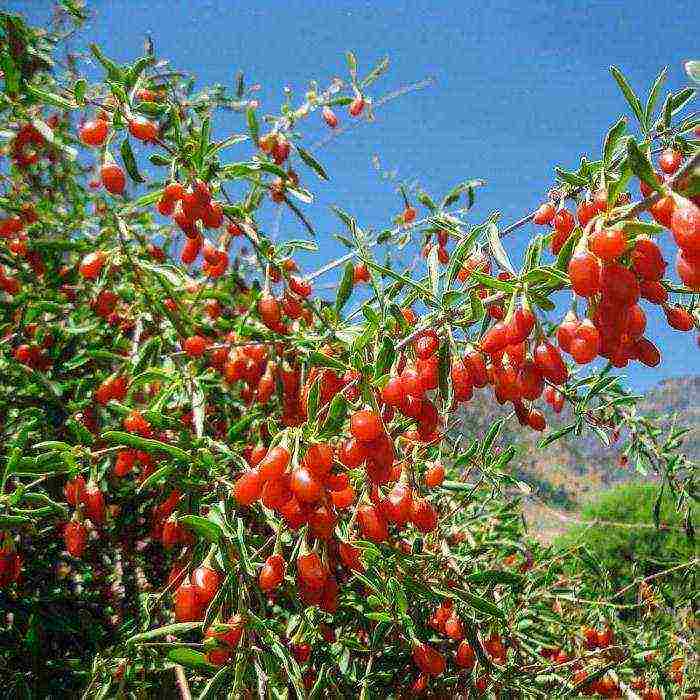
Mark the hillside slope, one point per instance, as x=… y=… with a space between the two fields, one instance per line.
x=569 y=472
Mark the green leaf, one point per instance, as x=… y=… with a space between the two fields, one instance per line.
x=253 y=127
x=460 y=253
x=114 y=72
x=495 y=577
x=50 y=98
x=175 y=629
x=571 y=178
x=319 y=359
x=653 y=96
x=556 y=435
x=497 y=249
x=79 y=90
x=157 y=476
x=337 y=413
x=345 y=287
x=473 y=601
x=203 y=527
x=11 y=73
x=492 y=282
x=352 y=65
x=130 y=161
x=444 y=373
x=426 y=201
x=385 y=357
x=151 y=109
x=425 y=294
x=641 y=167
x=188 y=657
x=612 y=138
x=145 y=444
x=203 y=141
x=627 y=91
x=453 y=195
x=312 y=163
x=567 y=250
x=378 y=70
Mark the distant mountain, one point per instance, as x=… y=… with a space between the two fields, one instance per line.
x=570 y=471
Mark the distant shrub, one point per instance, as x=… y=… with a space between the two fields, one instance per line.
x=626 y=552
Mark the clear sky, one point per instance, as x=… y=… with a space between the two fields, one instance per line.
x=520 y=87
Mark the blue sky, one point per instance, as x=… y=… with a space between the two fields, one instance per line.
x=520 y=87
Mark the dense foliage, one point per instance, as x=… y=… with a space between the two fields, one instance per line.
x=618 y=531
x=215 y=481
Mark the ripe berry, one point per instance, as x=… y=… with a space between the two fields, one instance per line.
x=608 y=243
x=685 y=226
x=91 y=265
x=356 y=106
x=94 y=502
x=453 y=628
x=647 y=261
x=329 y=117
x=408 y=215
x=548 y=361
x=300 y=286
x=670 y=160
x=206 y=583
x=113 y=178
x=195 y=345
x=75 y=537
x=269 y=310
x=564 y=222
x=679 y=318
x=544 y=214
x=74 y=490
x=688 y=270
x=143 y=130
x=372 y=524
x=360 y=273
x=93 y=132
x=465 y=657
x=248 y=487
x=274 y=464
x=187 y=605
x=584 y=273
x=619 y=285
x=319 y=459
x=305 y=485
x=434 y=476
x=366 y=426
x=428 y=660
x=662 y=210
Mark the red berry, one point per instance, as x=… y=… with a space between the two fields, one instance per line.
x=75 y=537
x=366 y=426
x=143 y=130
x=670 y=160
x=195 y=346
x=206 y=583
x=248 y=487
x=91 y=265
x=544 y=214
x=685 y=226
x=356 y=106
x=584 y=273
x=113 y=178
x=93 y=132
x=329 y=117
